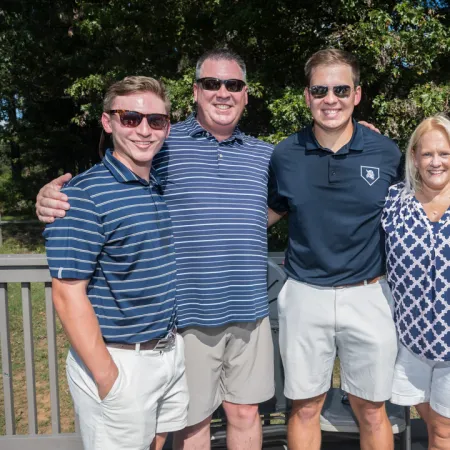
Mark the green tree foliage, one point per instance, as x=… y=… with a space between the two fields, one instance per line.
x=58 y=56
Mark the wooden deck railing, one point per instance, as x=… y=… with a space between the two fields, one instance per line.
x=27 y=269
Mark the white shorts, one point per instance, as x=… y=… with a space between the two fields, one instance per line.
x=149 y=396
x=419 y=380
x=316 y=323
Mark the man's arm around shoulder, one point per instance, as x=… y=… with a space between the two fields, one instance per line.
x=273 y=217
x=50 y=202
x=83 y=331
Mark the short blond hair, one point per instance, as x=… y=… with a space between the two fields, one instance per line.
x=131 y=85
x=439 y=122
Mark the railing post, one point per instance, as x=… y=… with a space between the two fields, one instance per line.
x=6 y=361
x=29 y=357
x=52 y=359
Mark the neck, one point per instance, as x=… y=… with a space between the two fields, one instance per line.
x=430 y=194
x=220 y=133
x=333 y=139
x=140 y=169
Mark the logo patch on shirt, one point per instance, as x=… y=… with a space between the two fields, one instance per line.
x=370 y=174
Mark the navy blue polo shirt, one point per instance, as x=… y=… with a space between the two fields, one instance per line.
x=334 y=201
x=118 y=235
x=217 y=196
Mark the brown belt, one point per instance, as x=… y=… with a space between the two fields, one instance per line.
x=165 y=343
x=361 y=283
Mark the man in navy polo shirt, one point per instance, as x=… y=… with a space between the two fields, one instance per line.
x=112 y=260
x=214 y=179
x=331 y=178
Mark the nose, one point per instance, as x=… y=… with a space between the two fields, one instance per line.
x=144 y=128
x=436 y=160
x=223 y=92
x=330 y=97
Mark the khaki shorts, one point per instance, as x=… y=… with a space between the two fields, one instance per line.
x=355 y=323
x=232 y=363
x=419 y=380
x=149 y=396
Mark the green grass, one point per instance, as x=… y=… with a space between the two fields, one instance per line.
x=22 y=238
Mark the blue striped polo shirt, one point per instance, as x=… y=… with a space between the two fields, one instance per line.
x=217 y=196
x=118 y=234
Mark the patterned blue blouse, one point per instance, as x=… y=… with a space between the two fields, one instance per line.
x=418 y=271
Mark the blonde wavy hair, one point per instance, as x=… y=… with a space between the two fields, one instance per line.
x=439 y=122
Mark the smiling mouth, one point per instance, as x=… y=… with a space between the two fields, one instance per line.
x=142 y=143
x=330 y=112
x=222 y=107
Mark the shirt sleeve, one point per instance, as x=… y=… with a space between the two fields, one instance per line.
x=274 y=199
x=400 y=176
x=74 y=242
x=391 y=206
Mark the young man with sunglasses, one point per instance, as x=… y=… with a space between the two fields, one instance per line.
x=214 y=179
x=331 y=178
x=112 y=261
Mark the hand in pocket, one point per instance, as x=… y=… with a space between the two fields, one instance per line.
x=105 y=385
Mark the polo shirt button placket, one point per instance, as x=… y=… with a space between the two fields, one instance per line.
x=220 y=161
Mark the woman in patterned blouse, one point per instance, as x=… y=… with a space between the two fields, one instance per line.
x=416 y=219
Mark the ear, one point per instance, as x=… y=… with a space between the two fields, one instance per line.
x=106 y=122
x=358 y=95
x=307 y=97
x=195 y=90
x=416 y=163
x=168 y=130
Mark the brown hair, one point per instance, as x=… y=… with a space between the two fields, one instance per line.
x=332 y=56
x=131 y=85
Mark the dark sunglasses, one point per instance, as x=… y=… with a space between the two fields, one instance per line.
x=213 y=84
x=341 y=91
x=132 y=119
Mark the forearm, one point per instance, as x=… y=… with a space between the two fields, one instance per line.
x=273 y=217
x=81 y=325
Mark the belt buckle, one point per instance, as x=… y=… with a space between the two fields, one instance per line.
x=166 y=343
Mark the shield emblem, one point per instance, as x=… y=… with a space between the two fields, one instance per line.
x=370 y=174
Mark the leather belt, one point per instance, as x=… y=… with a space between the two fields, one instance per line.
x=163 y=344
x=361 y=283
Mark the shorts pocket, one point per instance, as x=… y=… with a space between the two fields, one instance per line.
x=387 y=294
x=281 y=298
x=115 y=389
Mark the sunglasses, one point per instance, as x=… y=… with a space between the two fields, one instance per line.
x=213 y=84
x=341 y=91
x=132 y=119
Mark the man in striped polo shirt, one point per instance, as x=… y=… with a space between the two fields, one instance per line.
x=112 y=260
x=215 y=185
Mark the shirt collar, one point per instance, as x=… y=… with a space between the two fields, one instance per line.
x=124 y=175
x=195 y=130
x=356 y=142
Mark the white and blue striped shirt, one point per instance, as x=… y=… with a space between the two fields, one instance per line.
x=217 y=196
x=118 y=234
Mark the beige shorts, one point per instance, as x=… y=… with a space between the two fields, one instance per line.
x=355 y=323
x=232 y=363
x=149 y=396
x=419 y=380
